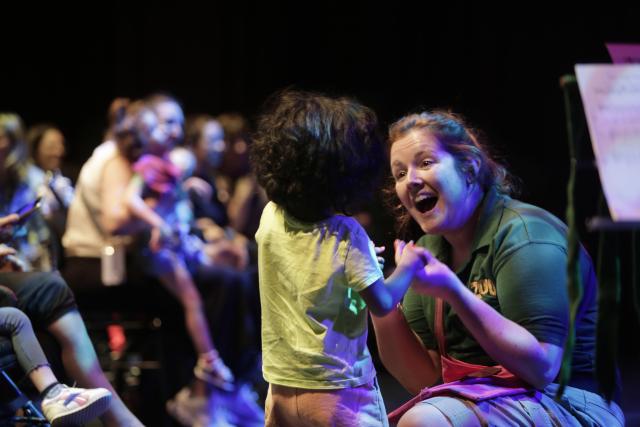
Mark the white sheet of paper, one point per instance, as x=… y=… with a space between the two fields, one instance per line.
x=611 y=98
x=622 y=53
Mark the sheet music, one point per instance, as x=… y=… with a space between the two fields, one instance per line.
x=611 y=98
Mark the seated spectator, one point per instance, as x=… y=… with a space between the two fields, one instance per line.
x=47 y=150
x=104 y=210
x=230 y=296
x=245 y=199
x=49 y=303
x=62 y=405
x=204 y=137
x=33 y=238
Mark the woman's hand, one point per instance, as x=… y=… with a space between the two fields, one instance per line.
x=8 y=220
x=6 y=227
x=8 y=259
x=6 y=250
x=436 y=279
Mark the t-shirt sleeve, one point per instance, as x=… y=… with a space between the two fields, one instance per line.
x=361 y=263
x=414 y=308
x=532 y=290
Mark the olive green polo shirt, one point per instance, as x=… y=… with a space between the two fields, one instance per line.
x=517 y=266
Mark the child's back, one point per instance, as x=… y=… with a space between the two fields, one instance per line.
x=314 y=320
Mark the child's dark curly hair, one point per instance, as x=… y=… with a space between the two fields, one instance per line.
x=315 y=155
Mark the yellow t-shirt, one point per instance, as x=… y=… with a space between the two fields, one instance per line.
x=314 y=322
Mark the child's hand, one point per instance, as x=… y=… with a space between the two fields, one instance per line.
x=408 y=255
x=199 y=186
x=160 y=236
x=379 y=250
x=435 y=279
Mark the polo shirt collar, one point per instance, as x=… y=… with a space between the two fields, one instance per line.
x=491 y=212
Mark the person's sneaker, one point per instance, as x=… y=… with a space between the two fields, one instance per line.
x=218 y=374
x=196 y=411
x=184 y=407
x=70 y=406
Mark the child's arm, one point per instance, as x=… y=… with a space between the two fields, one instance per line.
x=144 y=212
x=383 y=295
x=137 y=205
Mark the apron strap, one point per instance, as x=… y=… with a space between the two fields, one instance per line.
x=439 y=322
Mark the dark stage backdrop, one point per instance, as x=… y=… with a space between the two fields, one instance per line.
x=498 y=66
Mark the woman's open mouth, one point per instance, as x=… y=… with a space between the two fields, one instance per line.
x=425 y=202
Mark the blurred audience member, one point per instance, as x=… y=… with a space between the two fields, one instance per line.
x=32 y=238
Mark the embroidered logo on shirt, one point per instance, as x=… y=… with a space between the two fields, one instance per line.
x=483 y=287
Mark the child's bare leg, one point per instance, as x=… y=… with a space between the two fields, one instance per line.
x=210 y=367
x=181 y=285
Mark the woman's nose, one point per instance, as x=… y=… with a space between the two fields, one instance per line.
x=413 y=180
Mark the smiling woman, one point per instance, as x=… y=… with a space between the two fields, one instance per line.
x=440 y=147
x=493 y=293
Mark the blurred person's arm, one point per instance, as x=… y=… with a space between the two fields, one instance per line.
x=160 y=230
x=6 y=227
x=116 y=216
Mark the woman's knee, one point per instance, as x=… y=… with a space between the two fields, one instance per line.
x=423 y=414
x=13 y=320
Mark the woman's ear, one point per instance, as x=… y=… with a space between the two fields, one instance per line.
x=471 y=170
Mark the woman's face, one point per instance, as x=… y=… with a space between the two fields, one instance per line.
x=172 y=119
x=50 y=150
x=151 y=134
x=211 y=145
x=158 y=140
x=430 y=184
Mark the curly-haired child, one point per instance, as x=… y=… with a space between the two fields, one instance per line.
x=317 y=158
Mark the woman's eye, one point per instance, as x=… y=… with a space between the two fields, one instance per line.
x=400 y=174
x=426 y=163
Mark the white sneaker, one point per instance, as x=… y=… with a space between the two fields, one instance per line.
x=75 y=406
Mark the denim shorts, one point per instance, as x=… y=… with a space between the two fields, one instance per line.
x=577 y=408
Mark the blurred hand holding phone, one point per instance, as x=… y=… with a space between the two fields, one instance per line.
x=9 y=223
x=26 y=210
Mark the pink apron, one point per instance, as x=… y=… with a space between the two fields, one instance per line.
x=464 y=380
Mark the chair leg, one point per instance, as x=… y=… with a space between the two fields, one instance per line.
x=31 y=417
